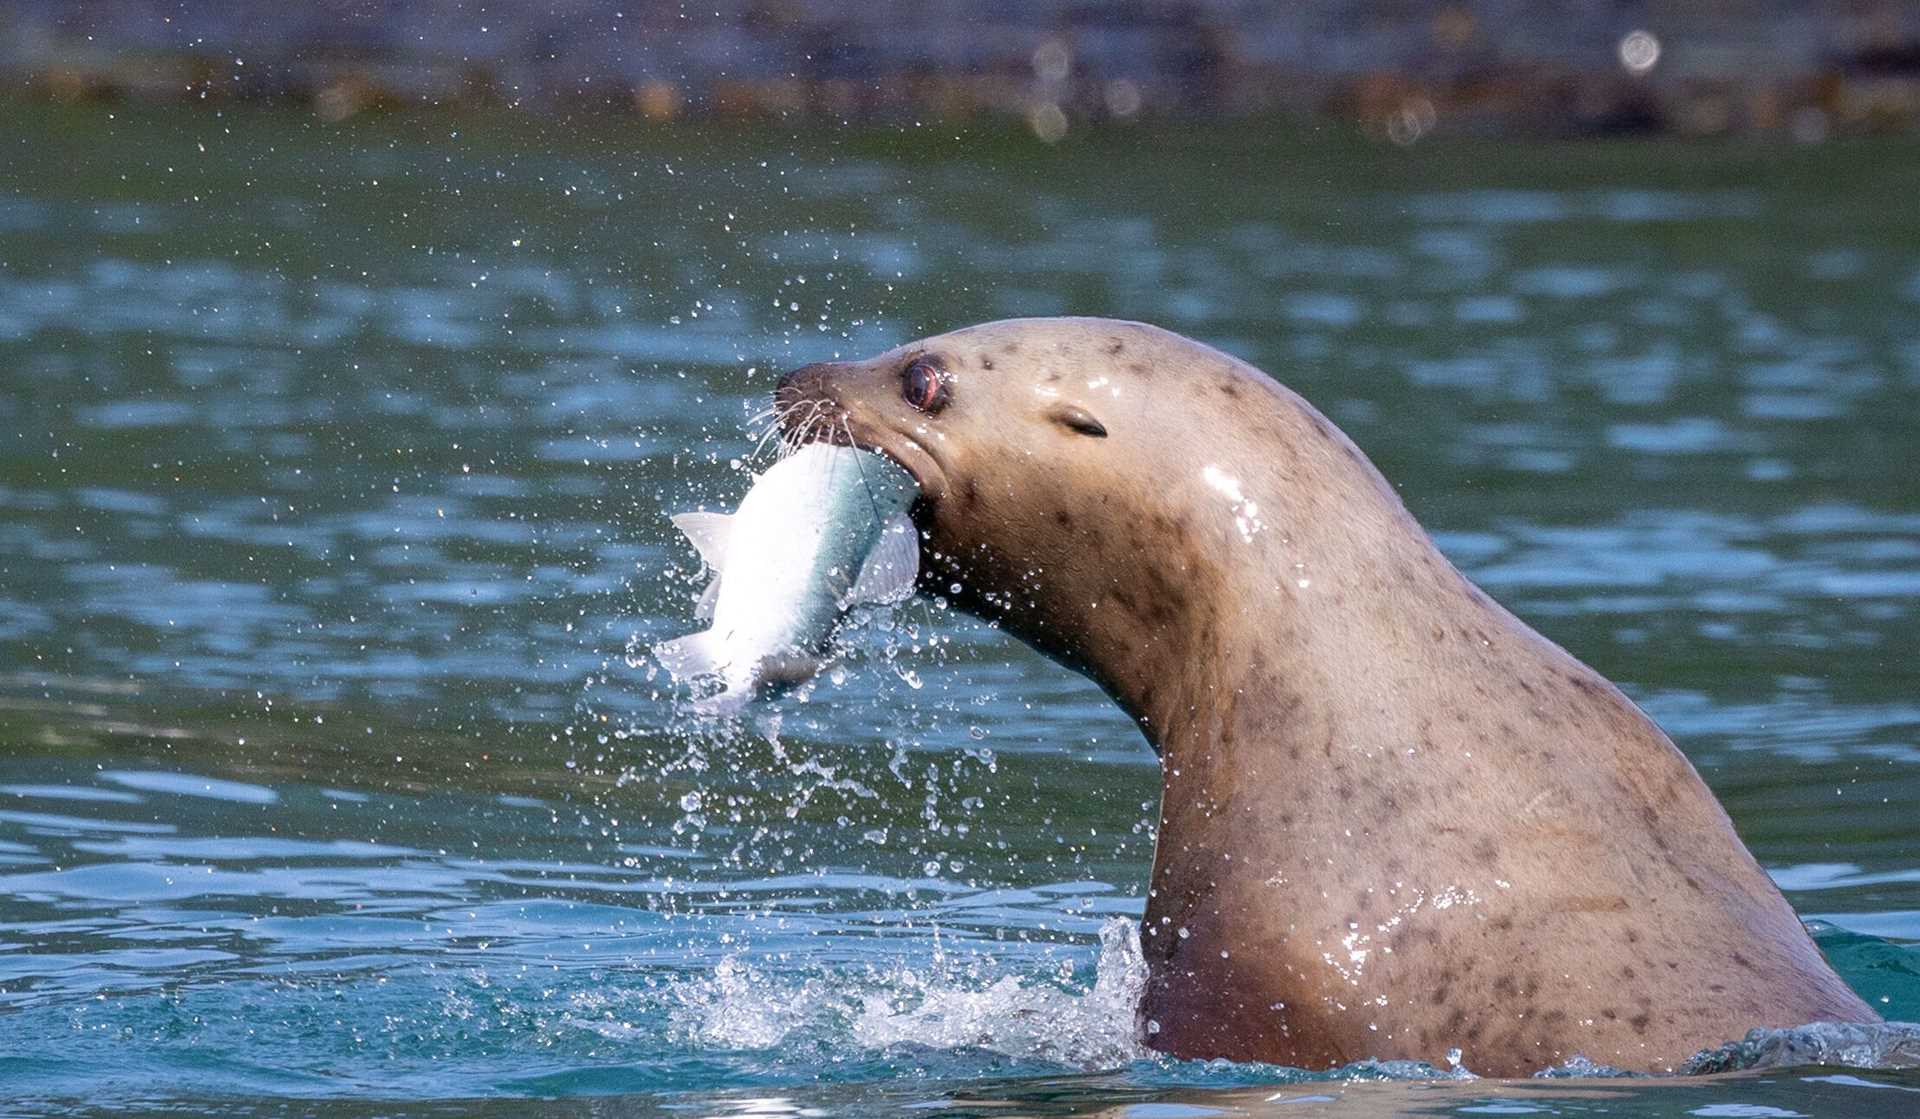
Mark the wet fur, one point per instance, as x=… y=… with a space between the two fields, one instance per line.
x=1395 y=820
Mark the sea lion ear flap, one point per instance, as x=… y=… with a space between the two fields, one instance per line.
x=1077 y=418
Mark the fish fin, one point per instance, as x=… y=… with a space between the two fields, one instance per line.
x=709 y=533
x=703 y=610
x=892 y=565
x=696 y=654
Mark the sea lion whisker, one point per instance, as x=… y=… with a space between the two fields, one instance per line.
x=795 y=425
x=793 y=433
x=760 y=440
x=820 y=421
x=774 y=428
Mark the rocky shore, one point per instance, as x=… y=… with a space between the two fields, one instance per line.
x=1401 y=69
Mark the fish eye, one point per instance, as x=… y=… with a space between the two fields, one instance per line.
x=924 y=385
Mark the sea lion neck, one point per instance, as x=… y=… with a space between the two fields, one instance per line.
x=1312 y=542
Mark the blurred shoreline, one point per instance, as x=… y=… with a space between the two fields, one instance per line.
x=1401 y=71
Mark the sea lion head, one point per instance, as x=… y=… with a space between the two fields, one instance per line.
x=1081 y=479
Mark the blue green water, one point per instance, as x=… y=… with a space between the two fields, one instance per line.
x=334 y=472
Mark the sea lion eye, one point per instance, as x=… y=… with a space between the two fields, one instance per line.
x=925 y=386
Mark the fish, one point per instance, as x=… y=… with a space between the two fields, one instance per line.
x=823 y=530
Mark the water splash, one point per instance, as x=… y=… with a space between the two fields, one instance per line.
x=1577 y=1067
x=952 y=1003
x=1864 y=1045
x=740 y=1007
x=1092 y=1029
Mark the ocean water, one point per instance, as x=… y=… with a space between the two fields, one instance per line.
x=335 y=463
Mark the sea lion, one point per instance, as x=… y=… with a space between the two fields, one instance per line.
x=1395 y=821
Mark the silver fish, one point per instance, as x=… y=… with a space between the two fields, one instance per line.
x=823 y=530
